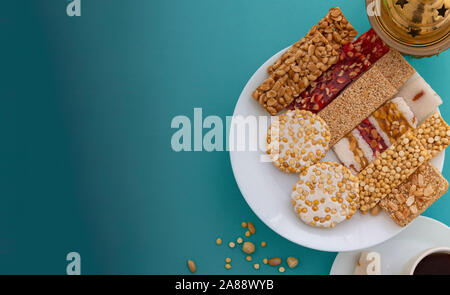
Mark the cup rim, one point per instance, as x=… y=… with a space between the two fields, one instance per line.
x=425 y=253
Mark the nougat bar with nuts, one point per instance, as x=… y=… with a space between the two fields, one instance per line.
x=320 y=93
x=415 y=195
x=298 y=69
x=357 y=102
x=336 y=28
x=375 y=134
x=395 y=68
x=434 y=134
x=391 y=169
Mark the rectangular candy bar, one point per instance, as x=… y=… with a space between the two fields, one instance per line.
x=391 y=169
x=420 y=97
x=371 y=46
x=336 y=28
x=415 y=195
x=301 y=67
x=375 y=134
x=395 y=68
x=434 y=134
x=320 y=93
x=356 y=103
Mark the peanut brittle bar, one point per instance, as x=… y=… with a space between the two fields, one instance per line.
x=356 y=103
x=434 y=134
x=415 y=195
x=301 y=67
x=336 y=28
x=391 y=169
x=326 y=88
x=375 y=134
x=395 y=68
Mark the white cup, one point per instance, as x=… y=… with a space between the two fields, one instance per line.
x=413 y=264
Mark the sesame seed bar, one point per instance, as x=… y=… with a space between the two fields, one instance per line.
x=434 y=134
x=336 y=28
x=391 y=169
x=296 y=72
x=356 y=103
x=395 y=68
x=415 y=195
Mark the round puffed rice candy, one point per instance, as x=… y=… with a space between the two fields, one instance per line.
x=297 y=139
x=325 y=195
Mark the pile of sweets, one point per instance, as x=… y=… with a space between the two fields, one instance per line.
x=368 y=104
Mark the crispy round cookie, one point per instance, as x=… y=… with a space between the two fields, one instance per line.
x=297 y=139
x=325 y=195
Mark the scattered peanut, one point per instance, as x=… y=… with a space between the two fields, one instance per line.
x=219 y=241
x=232 y=244
x=227 y=266
x=239 y=240
x=263 y=244
x=265 y=261
x=247 y=234
x=281 y=269
x=274 y=261
x=244 y=224
x=191 y=266
x=248 y=247
x=251 y=228
x=228 y=260
x=292 y=262
x=256 y=266
x=249 y=258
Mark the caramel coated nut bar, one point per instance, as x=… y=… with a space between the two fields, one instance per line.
x=356 y=103
x=395 y=68
x=325 y=195
x=298 y=69
x=297 y=140
x=434 y=134
x=415 y=195
x=392 y=168
x=336 y=28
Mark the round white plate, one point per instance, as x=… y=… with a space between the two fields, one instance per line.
x=267 y=190
x=398 y=254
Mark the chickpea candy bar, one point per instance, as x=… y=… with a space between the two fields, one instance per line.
x=392 y=168
x=297 y=140
x=434 y=134
x=415 y=195
x=325 y=195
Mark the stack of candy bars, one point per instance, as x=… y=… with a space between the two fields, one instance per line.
x=379 y=112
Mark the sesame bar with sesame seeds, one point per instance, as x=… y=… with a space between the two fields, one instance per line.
x=297 y=139
x=415 y=195
x=395 y=68
x=297 y=70
x=391 y=169
x=325 y=195
x=434 y=134
x=356 y=103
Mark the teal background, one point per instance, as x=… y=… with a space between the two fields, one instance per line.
x=86 y=105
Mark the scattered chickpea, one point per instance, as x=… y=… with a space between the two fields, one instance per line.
x=219 y=241
x=239 y=240
x=263 y=244
x=247 y=234
x=248 y=258
x=256 y=266
x=244 y=224
x=227 y=266
x=228 y=260
x=265 y=260
x=232 y=244
x=281 y=269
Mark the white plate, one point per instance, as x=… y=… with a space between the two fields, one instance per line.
x=398 y=253
x=267 y=192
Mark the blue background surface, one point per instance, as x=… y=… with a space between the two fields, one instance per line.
x=86 y=107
